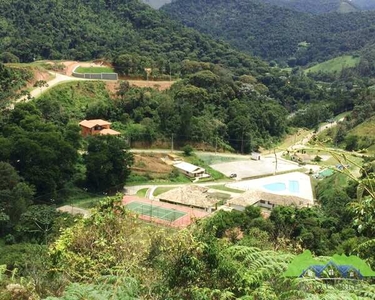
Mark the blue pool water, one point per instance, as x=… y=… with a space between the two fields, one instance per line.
x=275 y=187
x=293 y=186
x=280 y=186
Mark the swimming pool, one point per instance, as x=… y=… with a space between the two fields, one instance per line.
x=293 y=186
x=275 y=187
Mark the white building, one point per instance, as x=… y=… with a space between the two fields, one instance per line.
x=190 y=170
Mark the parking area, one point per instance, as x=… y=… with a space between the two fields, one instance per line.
x=251 y=168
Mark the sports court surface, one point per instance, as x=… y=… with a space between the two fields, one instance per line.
x=155 y=211
x=163 y=213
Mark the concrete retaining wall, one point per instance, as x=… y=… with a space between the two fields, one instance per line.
x=101 y=76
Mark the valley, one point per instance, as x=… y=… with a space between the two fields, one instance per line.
x=187 y=149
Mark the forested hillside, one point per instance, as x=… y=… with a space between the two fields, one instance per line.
x=277 y=33
x=83 y=30
x=156 y=3
x=317 y=6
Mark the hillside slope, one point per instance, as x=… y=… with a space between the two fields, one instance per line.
x=88 y=29
x=271 y=33
x=317 y=6
x=156 y=3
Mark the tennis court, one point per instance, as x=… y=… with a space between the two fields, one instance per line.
x=152 y=211
x=163 y=213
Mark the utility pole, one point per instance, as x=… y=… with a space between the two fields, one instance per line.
x=170 y=71
x=216 y=145
x=242 y=142
x=172 y=142
x=274 y=151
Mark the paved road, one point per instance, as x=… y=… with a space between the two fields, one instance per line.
x=57 y=79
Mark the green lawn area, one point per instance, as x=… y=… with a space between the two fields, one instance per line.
x=222 y=187
x=95 y=70
x=335 y=65
x=161 y=190
x=211 y=159
x=142 y=192
x=296 y=135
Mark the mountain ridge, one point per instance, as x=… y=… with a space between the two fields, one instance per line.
x=276 y=34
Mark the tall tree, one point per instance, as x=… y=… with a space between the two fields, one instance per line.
x=107 y=163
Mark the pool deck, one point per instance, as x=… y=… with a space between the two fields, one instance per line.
x=304 y=190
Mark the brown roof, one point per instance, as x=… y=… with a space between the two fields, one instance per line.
x=190 y=195
x=251 y=197
x=109 y=132
x=93 y=123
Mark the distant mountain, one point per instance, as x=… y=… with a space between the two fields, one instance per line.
x=88 y=29
x=277 y=34
x=316 y=6
x=156 y=3
x=364 y=4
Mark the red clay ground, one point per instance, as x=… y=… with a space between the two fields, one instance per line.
x=186 y=220
x=111 y=86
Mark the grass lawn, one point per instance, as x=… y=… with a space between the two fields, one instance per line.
x=211 y=159
x=222 y=187
x=290 y=140
x=161 y=190
x=142 y=192
x=94 y=70
x=335 y=65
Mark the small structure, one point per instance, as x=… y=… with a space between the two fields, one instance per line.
x=174 y=157
x=265 y=200
x=190 y=170
x=97 y=126
x=171 y=159
x=192 y=196
x=255 y=155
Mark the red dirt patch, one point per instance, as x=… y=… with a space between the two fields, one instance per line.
x=151 y=164
x=159 y=85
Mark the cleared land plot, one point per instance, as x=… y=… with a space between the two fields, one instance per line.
x=335 y=65
x=94 y=70
x=155 y=211
x=254 y=168
x=168 y=214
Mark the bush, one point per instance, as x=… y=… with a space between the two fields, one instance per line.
x=188 y=150
x=317 y=159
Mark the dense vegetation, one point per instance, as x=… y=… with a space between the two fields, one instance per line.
x=11 y=81
x=128 y=32
x=320 y=6
x=223 y=98
x=157 y=3
x=277 y=33
x=228 y=256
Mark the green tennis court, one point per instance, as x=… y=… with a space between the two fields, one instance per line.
x=155 y=211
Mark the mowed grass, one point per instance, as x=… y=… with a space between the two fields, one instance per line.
x=335 y=65
x=211 y=159
x=160 y=190
x=222 y=187
x=94 y=70
x=142 y=192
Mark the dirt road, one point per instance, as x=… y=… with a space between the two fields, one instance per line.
x=57 y=79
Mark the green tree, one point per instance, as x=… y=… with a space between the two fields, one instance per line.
x=107 y=163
